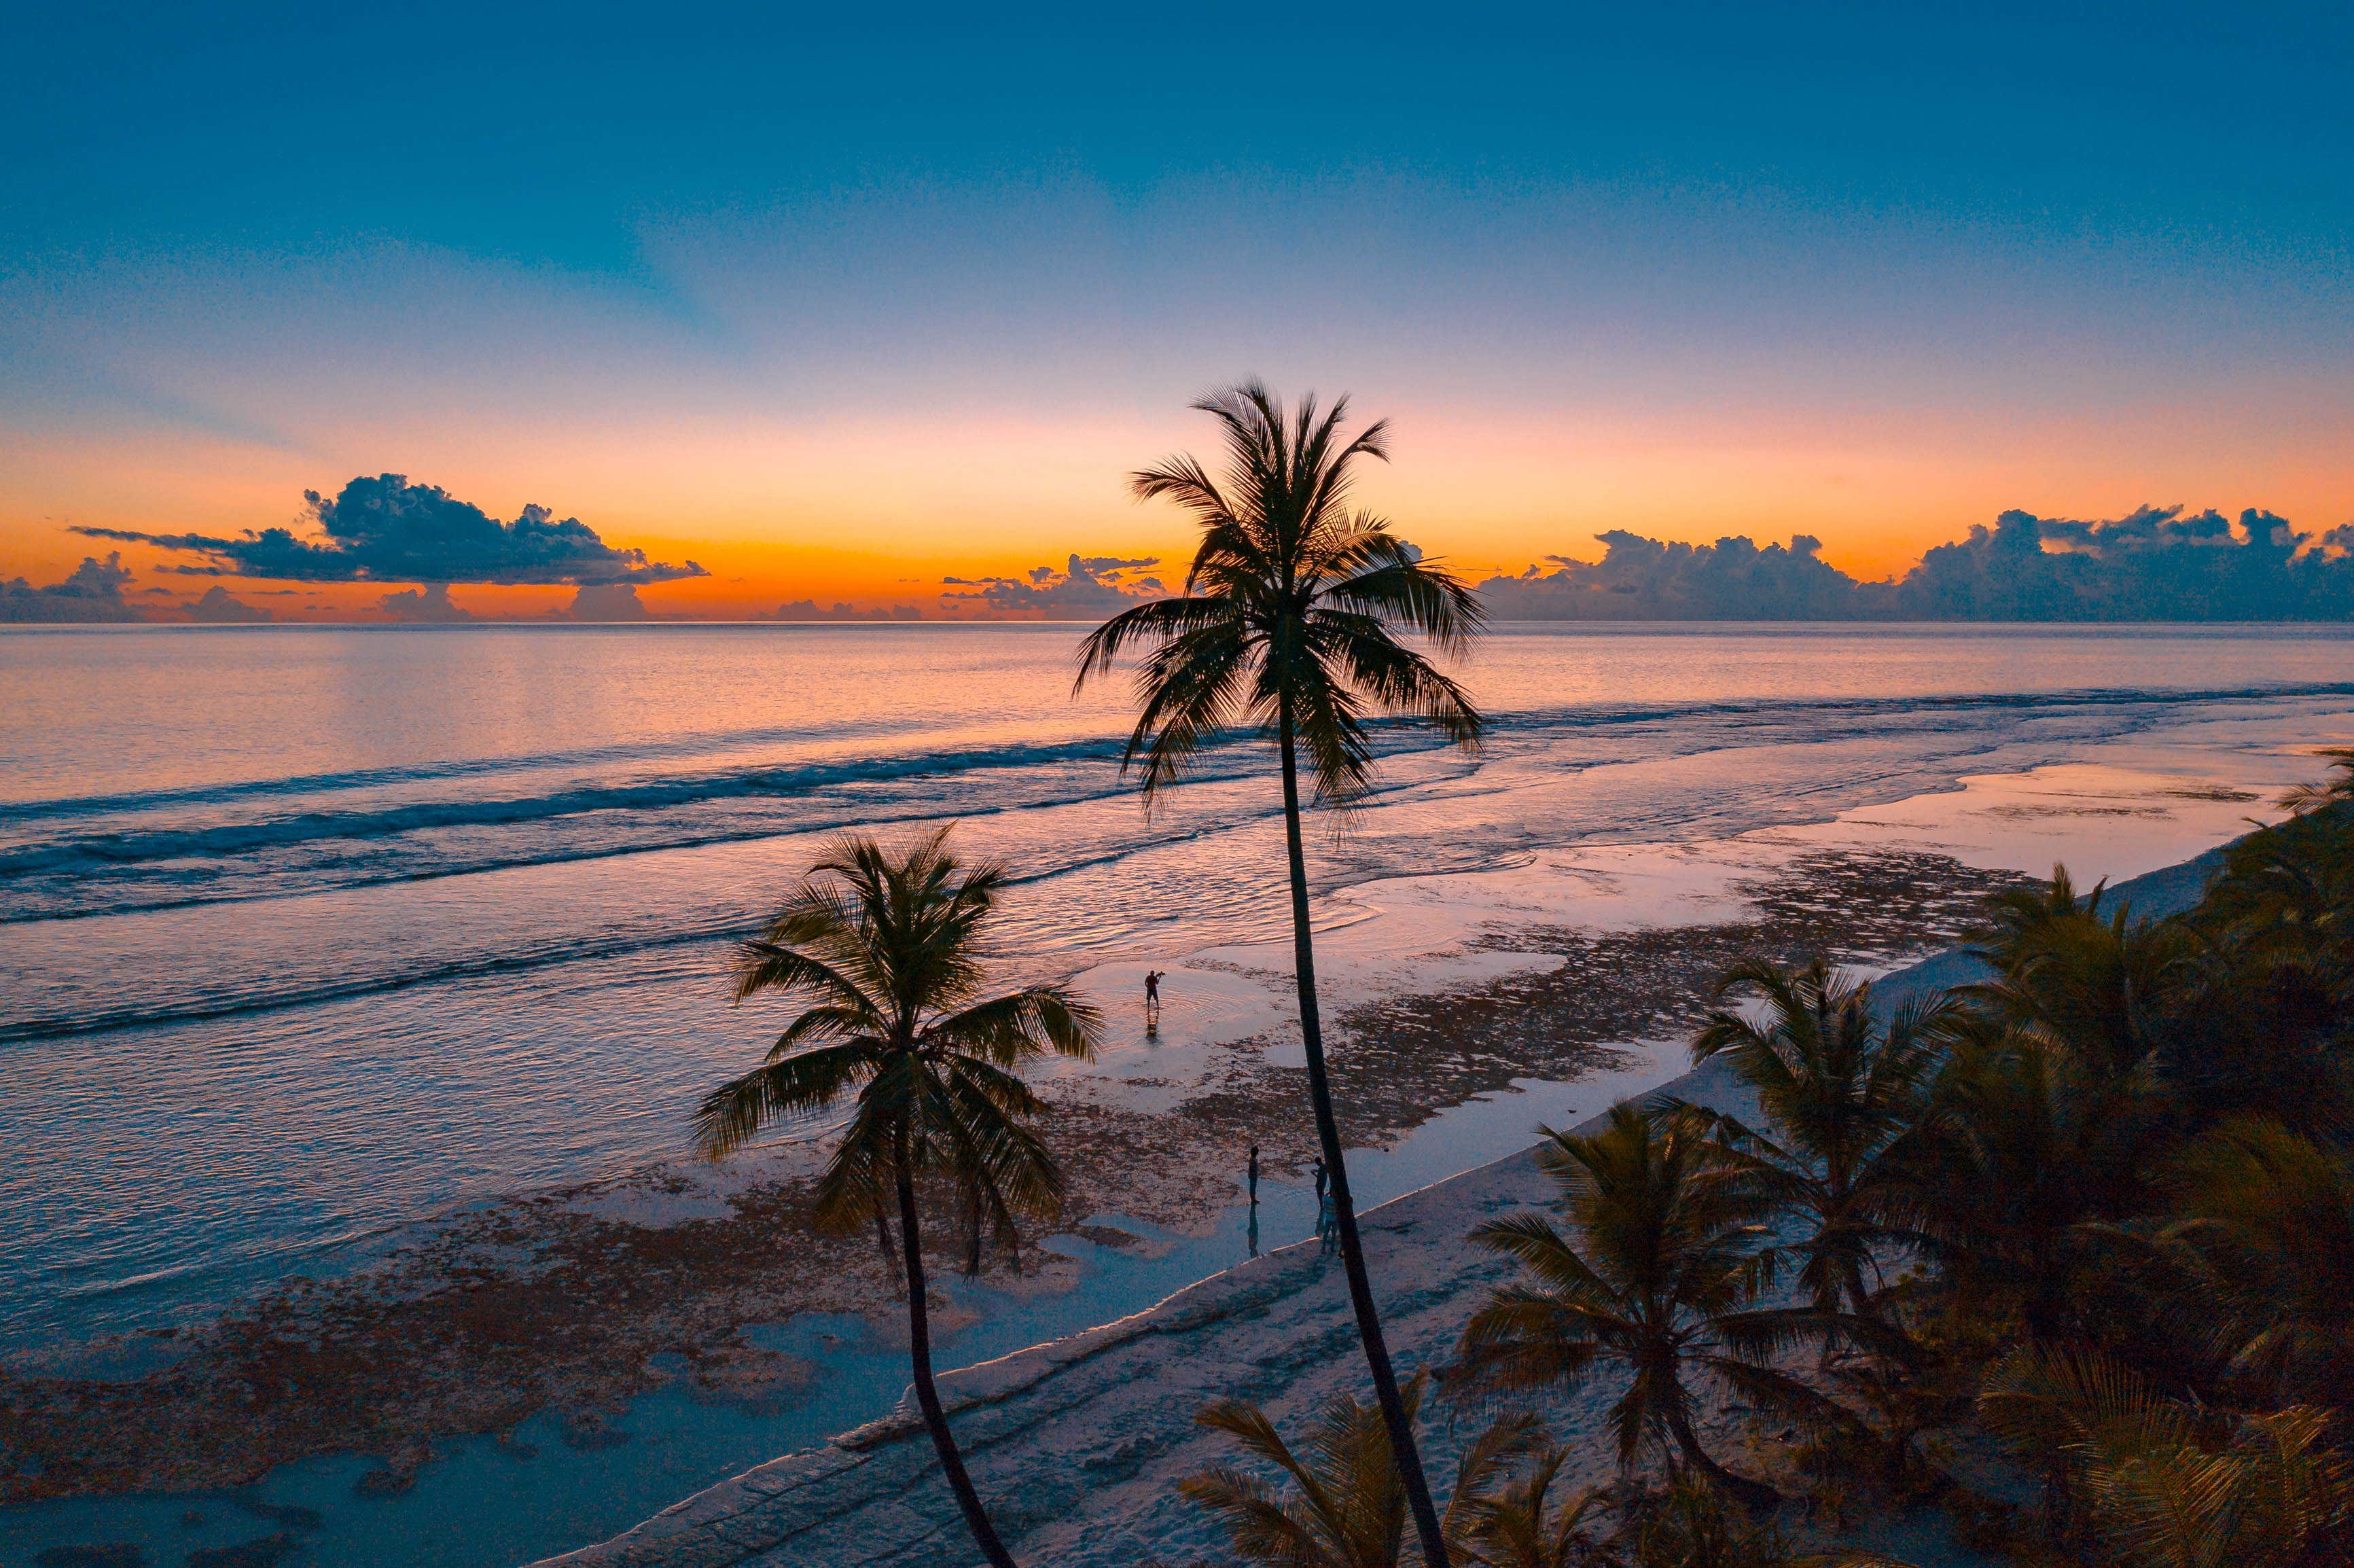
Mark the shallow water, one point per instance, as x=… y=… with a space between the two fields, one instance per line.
x=311 y=932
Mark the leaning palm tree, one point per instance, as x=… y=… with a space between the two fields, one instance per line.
x=1841 y=1092
x=1666 y=1284
x=1348 y=1507
x=885 y=947
x=1287 y=624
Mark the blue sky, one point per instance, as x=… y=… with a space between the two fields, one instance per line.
x=248 y=253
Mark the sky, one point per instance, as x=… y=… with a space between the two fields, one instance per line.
x=838 y=307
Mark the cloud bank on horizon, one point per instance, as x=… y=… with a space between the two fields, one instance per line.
x=388 y=530
x=1088 y=587
x=2153 y=564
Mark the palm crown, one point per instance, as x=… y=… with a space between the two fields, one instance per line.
x=1843 y=1092
x=1286 y=620
x=1348 y=1505
x=1666 y=1284
x=888 y=953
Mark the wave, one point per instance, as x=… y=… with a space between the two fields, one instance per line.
x=73 y=867
x=106 y=850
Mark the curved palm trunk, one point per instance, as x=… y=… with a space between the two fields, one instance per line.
x=1752 y=1494
x=920 y=1347
x=1345 y=1214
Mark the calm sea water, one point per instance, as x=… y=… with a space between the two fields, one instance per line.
x=308 y=933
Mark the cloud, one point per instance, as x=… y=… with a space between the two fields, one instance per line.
x=429 y=604
x=388 y=530
x=218 y=609
x=807 y=609
x=92 y=591
x=1091 y=588
x=606 y=602
x=2152 y=564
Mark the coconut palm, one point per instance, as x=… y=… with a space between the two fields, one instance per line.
x=885 y=947
x=1348 y=1508
x=2167 y=1484
x=1522 y=1527
x=1287 y=624
x=2097 y=989
x=1674 y=1259
x=1841 y=1092
x=2263 y=1231
x=2306 y=799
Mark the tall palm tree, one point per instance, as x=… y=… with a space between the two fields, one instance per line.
x=1348 y=1507
x=1287 y=624
x=887 y=948
x=1841 y=1092
x=1673 y=1261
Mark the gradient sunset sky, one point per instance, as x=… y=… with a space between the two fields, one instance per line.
x=840 y=307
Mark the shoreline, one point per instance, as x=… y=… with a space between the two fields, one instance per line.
x=1076 y=1398
x=560 y=1323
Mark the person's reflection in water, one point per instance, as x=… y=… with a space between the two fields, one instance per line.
x=1254 y=1230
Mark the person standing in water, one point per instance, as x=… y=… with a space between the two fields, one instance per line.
x=1254 y=1175
x=1151 y=998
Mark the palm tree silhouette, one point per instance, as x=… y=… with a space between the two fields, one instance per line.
x=885 y=947
x=1673 y=1261
x=1842 y=1092
x=1285 y=624
x=1348 y=1509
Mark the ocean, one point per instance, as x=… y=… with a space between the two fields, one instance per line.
x=312 y=933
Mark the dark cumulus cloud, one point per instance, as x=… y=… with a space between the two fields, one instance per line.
x=2153 y=564
x=388 y=530
x=605 y=602
x=1088 y=587
x=430 y=605
x=92 y=591
x=217 y=608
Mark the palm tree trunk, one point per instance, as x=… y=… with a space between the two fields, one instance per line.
x=919 y=1349
x=1328 y=1133
x=890 y=1252
x=1755 y=1495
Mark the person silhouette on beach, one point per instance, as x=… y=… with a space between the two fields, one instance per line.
x=1151 y=996
x=1324 y=1218
x=1254 y=1175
